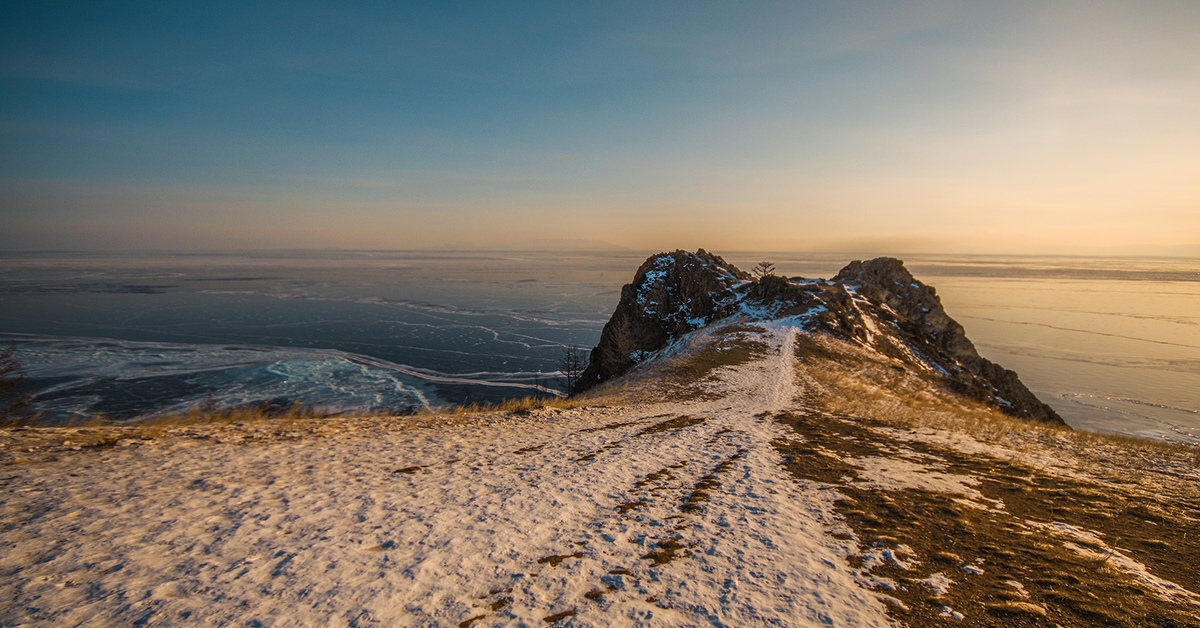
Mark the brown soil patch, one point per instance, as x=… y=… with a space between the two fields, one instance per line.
x=914 y=535
x=731 y=345
x=708 y=483
x=610 y=426
x=558 y=617
x=663 y=474
x=553 y=561
x=668 y=550
x=1138 y=523
x=592 y=456
x=678 y=423
x=627 y=506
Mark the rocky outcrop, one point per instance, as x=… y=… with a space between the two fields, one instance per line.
x=876 y=303
x=671 y=295
x=886 y=281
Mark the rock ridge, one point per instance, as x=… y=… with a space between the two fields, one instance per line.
x=876 y=303
x=671 y=295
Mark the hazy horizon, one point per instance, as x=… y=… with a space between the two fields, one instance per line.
x=1130 y=251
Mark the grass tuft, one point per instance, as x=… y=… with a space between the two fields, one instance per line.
x=523 y=405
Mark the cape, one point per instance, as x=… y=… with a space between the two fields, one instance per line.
x=876 y=305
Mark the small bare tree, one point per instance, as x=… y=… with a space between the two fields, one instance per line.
x=571 y=364
x=764 y=269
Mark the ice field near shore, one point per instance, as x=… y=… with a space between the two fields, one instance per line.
x=1110 y=343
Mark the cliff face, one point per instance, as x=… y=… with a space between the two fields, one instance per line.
x=671 y=295
x=877 y=304
x=885 y=281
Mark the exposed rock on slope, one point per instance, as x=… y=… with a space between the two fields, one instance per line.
x=877 y=304
x=885 y=280
x=671 y=294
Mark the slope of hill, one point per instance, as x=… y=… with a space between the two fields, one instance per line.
x=756 y=469
x=877 y=304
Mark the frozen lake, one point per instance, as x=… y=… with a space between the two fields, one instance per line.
x=1111 y=343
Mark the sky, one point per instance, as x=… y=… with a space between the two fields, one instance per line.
x=1005 y=127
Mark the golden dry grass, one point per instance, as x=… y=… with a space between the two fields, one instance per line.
x=201 y=414
x=849 y=381
x=99 y=431
x=682 y=374
x=255 y=423
x=513 y=406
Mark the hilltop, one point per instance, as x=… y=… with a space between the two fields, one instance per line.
x=876 y=305
x=749 y=452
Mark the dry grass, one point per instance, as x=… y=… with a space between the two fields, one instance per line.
x=513 y=406
x=25 y=443
x=201 y=414
x=846 y=380
x=206 y=414
x=99 y=431
x=1075 y=590
x=682 y=374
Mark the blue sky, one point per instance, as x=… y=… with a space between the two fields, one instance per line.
x=892 y=127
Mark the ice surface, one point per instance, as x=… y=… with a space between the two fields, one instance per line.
x=1111 y=344
x=83 y=376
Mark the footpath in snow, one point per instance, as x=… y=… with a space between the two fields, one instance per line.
x=743 y=508
x=670 y=514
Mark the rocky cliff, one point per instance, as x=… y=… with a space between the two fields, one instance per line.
x=877 y=304
x=671 y=294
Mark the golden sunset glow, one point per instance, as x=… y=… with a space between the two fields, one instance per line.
x=935 y=127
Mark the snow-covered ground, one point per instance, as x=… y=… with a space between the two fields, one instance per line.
x=677 y=513
x=581 y=511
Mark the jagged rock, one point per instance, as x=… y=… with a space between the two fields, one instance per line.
x=886 y=280
x=876 y=303
x=671 y=294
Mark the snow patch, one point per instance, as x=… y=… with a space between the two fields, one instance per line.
x=893 y=474
x=951 y=613
x=938 y=583
x=513 y=518
x=1113 y=558
x=877 y=557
